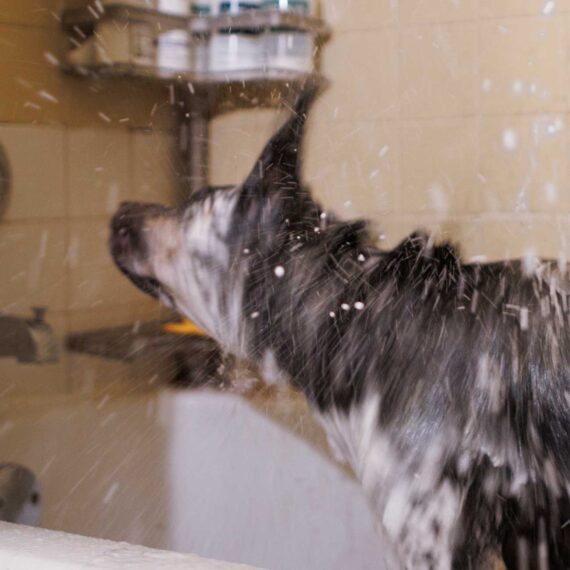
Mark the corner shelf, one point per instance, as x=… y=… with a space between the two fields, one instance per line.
x=81 y=24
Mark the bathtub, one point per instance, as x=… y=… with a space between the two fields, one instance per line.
x=191 y=471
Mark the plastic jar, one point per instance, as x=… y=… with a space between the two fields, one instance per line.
x=288 y=50
x=236 y=51
x=174 y=51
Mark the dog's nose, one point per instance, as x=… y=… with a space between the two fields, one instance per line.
x=127 y=228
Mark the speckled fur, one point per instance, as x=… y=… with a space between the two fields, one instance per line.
x=446 y=386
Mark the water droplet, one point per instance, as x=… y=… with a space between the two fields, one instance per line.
x=48 y=96
x=345 y=307
x=518 y=87
x=548 y=7
x=438 y=198
x=524 y=318
x=111 y=492
x=279 y=271
x=555 y=127
x=50 y=58
x=551 y=192
x=359 y=305
x=530 y=261
x=510 y=139
x=383 y=151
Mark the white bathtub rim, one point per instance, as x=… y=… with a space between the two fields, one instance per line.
x=28 y=548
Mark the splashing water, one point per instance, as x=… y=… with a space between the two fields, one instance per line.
x=510 y=140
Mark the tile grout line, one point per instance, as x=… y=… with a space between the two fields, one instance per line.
x=67 y=260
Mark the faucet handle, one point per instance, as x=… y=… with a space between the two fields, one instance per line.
x=39 y=314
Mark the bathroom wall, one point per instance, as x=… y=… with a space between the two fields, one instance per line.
x=450 y=115
x=76 y=147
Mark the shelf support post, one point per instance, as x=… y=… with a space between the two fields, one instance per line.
x=196 y=125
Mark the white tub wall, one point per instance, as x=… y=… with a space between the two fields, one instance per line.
x=245 y=489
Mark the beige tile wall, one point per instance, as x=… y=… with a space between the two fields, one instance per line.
x=445 y=114
x=76 y=148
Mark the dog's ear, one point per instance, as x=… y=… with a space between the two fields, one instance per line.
x=272 y=194
x=278 y=166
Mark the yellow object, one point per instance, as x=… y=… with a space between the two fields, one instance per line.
x=185 y=327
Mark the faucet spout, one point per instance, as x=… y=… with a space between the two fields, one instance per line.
x=28 y=340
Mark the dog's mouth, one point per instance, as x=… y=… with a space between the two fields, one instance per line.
x=148 y=285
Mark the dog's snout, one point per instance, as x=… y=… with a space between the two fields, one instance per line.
x=127 y=228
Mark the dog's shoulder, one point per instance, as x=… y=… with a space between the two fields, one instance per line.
x=418 y=260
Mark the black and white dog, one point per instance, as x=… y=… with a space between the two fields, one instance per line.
x=445 y=386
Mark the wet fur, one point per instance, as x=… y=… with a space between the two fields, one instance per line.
x=445 y=385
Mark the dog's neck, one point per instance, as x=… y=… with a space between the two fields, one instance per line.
x=298 y=301
x=310 y=305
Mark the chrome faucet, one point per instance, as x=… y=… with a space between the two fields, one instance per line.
x=28 y=340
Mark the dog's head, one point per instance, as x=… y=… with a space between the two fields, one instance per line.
x=195 y=258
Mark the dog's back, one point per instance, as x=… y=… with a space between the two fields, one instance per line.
x=479 y=363
x=465 y=372
x=445 y=385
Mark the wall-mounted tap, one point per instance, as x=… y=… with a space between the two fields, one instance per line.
x=28 y=340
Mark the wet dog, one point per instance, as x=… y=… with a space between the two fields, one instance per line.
x=446 y=386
